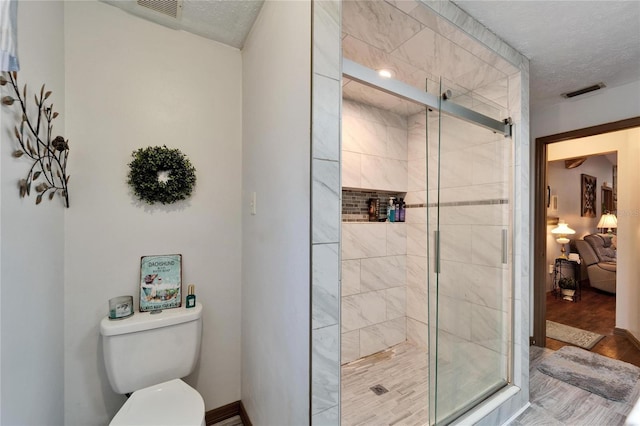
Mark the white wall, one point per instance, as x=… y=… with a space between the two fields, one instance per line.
x=32 y=245
x=603 y=106
x=276 y=241
x=566 y=185
x=132 y=84
x=627 y=144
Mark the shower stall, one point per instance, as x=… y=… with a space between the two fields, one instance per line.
x=427 y=303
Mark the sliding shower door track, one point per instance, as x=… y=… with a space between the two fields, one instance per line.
x=370 y=77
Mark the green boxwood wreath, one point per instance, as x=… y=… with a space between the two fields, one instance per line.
x=148 y=162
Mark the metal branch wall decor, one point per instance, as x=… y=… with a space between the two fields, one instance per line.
x=35 y=140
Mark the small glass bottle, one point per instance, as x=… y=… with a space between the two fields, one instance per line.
x=191 y=297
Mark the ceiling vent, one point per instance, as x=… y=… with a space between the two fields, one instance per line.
x=172 y=8
x=583 y=90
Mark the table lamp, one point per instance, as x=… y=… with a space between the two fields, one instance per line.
x=608 y=220
x=561 y=232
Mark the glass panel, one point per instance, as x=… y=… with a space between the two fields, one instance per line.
x=470 y=208
x=433 y=175
x=432 y=295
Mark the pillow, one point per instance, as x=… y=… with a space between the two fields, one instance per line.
x=601 y=243
x=607 y=254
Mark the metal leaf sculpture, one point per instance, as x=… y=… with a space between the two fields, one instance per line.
x=35 y=140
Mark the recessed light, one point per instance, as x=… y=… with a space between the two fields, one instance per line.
x=385 y=73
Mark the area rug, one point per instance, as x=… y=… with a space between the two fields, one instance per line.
x=609 y=378
x=578 y=337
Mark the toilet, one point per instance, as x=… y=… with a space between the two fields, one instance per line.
x=147 y=354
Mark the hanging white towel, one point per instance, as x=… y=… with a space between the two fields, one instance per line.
x=8 y=35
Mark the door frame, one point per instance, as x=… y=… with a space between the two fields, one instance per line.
x=540 y=216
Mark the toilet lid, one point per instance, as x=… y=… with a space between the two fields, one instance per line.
x=172 y=403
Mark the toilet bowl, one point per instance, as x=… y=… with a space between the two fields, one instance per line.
x=172 y=403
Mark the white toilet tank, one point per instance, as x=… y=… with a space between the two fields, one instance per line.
x=147 y=349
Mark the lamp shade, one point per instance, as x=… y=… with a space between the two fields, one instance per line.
x=563 y=229
x=561 y=232
x=608 y=220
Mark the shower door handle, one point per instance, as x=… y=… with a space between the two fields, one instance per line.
x=436 y=235
x=505 y=244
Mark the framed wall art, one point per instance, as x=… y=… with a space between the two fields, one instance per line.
x=160 y=282
x=588 y=196
x=615 y=188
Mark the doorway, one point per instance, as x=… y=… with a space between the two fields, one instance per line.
x=540 y=218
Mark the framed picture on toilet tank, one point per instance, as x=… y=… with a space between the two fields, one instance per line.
x=160 y=282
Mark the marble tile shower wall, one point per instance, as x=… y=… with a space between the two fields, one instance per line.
x=374 y=157
x=373 y=288
x=325 y=212
x=422 y=48
x=374 y=148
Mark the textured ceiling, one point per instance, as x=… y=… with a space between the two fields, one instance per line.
x=225 y=21
x=570 y=44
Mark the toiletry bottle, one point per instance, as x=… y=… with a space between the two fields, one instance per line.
x=397 y=205
x=191 y=297
x=373 y=215
x=391 y=213
x=402 y=210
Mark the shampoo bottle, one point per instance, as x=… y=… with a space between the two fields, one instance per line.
x=402 y=211
x=191 y=297
x=391 y=213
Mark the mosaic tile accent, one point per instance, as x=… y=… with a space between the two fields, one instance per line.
x=355 y=204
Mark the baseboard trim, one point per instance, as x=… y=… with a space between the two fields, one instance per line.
x=244 y=416
x=628 y=335
x=226 y=412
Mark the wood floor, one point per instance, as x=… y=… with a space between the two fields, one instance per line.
x=594 y=312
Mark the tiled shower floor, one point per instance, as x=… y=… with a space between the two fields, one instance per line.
x=403 y=370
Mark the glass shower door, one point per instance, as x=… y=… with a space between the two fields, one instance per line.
x=469 y=215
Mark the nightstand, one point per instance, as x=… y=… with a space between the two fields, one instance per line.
x=565 y=268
